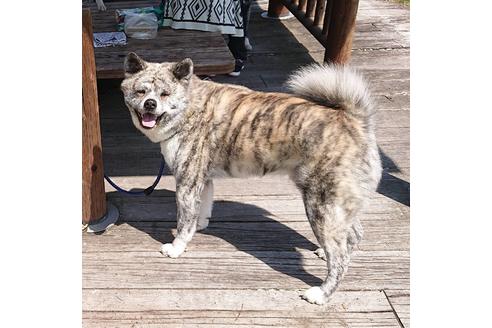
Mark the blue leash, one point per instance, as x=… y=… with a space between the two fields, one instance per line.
x=145 y=192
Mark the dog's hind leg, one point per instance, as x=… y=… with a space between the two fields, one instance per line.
x=206 y=205
x=336 y=231
x=355 y=236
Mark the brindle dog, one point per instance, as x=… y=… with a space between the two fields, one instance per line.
x=321 y=135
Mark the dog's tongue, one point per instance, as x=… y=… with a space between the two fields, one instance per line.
x=149 y=120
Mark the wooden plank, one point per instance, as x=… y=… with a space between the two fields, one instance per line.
x=390 y=83
x=156 y=208
x=205 y=307
x=393 y=119
x=110 y=64
x=392 y=134
x=161 y=206
x=377 y=40
x=93 y=195
x=400 y=300
x=228 y=300
x=365 y=60
x=244 y=235
x=247 y=226
x=382 y=59
x=213 y=319
x=251 y=190
x=369 y=270
x=397 y=101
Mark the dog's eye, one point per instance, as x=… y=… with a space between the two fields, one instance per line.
x=141 y=92
x=164 y=94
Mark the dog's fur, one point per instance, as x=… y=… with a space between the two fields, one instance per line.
x=322 y=136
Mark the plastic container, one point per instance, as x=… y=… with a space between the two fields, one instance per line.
x=141 y=25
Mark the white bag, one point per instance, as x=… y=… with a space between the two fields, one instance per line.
x=141 y=26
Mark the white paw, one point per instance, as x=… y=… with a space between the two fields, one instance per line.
x=172 y=251
x=202 y=224
x=315 y=295
x=320 y=253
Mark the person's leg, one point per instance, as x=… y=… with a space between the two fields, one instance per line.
x=246 y=11
x=237 y=48
x=237 y=45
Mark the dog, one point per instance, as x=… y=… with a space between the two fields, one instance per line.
x=321 y=135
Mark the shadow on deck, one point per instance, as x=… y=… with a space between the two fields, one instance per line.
x=254 y=242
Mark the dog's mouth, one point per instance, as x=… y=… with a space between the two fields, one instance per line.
x=148 y=120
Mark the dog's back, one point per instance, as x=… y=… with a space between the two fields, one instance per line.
x=328 y=119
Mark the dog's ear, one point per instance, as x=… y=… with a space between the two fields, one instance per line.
x=134 y=64
x=183 y=70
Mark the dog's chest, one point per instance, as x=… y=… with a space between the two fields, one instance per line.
x=169 y=150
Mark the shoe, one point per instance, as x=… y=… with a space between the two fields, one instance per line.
x=247 y=44
x=238 y=68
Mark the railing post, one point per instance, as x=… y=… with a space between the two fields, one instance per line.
x=95 y=211
x=276 y=10
x=341 y=30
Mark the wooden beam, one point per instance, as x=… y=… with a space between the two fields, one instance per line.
x=341 y=31
x=93 y=194
x=307 y=22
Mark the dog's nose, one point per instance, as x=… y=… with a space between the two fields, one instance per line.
x=150 y=104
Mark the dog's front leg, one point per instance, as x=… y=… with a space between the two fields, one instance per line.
x=188 y=210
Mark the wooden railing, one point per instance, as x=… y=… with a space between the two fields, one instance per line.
x=331 y=22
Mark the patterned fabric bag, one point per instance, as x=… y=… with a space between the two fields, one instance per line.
x=205 y=15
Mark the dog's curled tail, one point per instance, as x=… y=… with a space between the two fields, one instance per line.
x=334 y=86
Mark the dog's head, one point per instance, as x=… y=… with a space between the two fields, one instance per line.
x=156 y=94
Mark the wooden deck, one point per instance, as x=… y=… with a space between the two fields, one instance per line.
x=249 y=266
